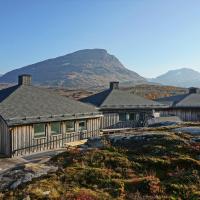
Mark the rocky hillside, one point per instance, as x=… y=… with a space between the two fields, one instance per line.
x=82 y=69
x=184 y=77
x=144 y=166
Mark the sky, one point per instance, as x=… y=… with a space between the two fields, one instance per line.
x=149 y=37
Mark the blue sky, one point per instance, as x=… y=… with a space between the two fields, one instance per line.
x=148 y=36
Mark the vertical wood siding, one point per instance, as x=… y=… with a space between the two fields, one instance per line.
x=183 y=114
x=112 y=119
x=4 y=138
x=109 y=119
x=24 y=142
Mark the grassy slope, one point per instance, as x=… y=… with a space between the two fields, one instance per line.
x=156 y=91
x=162 y=166
x=147 y=91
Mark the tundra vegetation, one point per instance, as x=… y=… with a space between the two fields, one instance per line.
x=162 y=165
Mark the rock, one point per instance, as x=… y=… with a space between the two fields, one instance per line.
x=15 y=177
x=96 y=142
x=27 y=198
x=46 y=193
x=190 y=130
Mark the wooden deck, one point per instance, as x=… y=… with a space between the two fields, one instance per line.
x=75 y=143
x=116 y=130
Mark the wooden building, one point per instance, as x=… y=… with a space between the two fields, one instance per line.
x=121 y=108
x=185 y=106
x=33 y=119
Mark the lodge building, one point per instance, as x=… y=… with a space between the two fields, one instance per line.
x=34 y=119
x=185 y=106
x=121 y=108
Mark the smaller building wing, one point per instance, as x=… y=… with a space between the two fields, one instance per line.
x=114 y=98
x=192 y=100
x=172 y=100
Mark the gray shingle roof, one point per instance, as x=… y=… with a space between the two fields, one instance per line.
x=172 y=100
x=185 y=100
x=118 y=99
x=27 y=104
x=192 y=100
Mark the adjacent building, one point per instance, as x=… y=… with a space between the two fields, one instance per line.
x=34 y=119
x=185 y=106
x=121 y=108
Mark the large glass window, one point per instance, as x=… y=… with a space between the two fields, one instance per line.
x=39 y=130
x=122 y=116
x=70 y=126
x=82 y=125
x=55 y=128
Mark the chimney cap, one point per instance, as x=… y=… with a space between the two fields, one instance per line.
x=114 y=85
x=24 y=79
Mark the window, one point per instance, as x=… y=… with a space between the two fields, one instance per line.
x=137 y=117
x=55 y=128
x=132 y=116
x=39 y=130
x=82 y=125
x=142 y=116
x=122 y=116
x=70 y=126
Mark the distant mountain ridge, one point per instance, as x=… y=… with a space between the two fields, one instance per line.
x=184 y=77
x=81 y=69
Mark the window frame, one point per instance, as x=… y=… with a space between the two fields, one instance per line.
x=124 y=116
x=130 y=116
x=41 y=134
x=55 y=134
x=81 y=121
x=69 y=130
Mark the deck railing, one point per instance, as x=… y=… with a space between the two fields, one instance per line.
x=56 y=142
x=127 y=124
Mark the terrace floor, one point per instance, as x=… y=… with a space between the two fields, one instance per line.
x=38 y=157
x=41 y=157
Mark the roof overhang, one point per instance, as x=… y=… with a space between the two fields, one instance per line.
x=187 y=106
x=121 y=107
x=51 y=118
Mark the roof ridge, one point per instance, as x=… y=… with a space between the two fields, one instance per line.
x=88 y=99
x=6 y=92
x=184 y=96
x=110 y=90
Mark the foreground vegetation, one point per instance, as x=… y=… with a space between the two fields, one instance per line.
x=157 y=166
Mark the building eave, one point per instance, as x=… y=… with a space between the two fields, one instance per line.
x=51 y=118
x=130 y=107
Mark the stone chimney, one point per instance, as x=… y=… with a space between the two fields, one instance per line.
x=24 y=79
x=194 y=90
x=114 y=85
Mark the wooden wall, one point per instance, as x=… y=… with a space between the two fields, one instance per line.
x=4 y=138
x=24 y=142
x=183 y=113
x=109 y=119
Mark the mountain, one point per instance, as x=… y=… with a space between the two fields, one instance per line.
x=81 y=69
x=184 y=77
